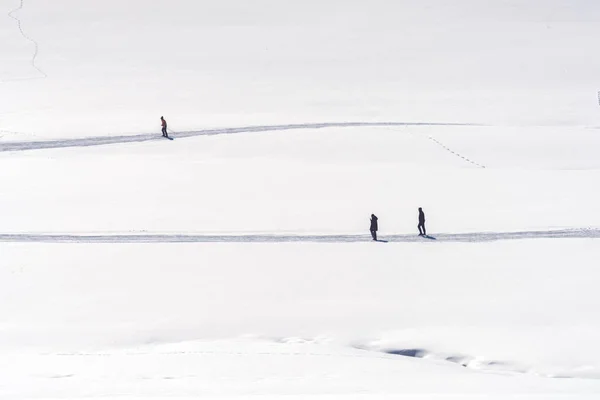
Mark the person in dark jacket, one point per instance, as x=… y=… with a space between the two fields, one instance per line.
x=422 y=231
x=374 y=226
x=164 y=127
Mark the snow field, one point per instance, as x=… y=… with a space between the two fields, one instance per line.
x=115 y=67
x=491 y=319
x=308 y=181
x=146 y=319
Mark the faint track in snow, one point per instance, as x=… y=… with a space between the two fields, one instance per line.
x=591 y=233
x=147 y=137
x=434 y=140
x=479 y=364
x=219 y=353
x=11 y=14
x=455 y=153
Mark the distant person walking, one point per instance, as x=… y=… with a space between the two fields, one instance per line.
x=422 y=231
x=164 y=127
x=374 y=226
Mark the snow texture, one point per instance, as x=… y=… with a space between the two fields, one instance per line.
x=235 y=260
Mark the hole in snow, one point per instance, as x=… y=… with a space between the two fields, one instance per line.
x=417 y=353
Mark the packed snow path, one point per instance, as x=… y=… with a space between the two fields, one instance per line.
x=104 y=140
x=286 y=238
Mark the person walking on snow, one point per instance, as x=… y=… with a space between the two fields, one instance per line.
x=374 y=227
x=164 y=127
x=422 y=231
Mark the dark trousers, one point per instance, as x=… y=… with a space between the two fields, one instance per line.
x=422 y=229
x=164 y=131
x=374 y=235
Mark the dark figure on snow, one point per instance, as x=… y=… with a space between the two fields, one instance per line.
x=164 y=127
x=374 y=226
x=422 y=231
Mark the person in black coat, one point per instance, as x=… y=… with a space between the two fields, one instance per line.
x=422 y=231
x=374 y=226
x=163 y=123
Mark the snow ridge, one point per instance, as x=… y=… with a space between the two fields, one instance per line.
x=489 y=366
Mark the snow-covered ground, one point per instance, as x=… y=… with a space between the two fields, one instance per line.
x=501 y=318
x=235 y=261
x=113 y=67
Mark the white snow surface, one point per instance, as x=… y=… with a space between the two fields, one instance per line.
x=234 y=261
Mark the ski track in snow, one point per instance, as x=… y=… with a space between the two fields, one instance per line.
x=11 y=14
x=588 y=233
x=146 y=137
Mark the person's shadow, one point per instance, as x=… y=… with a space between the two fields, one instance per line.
x=428 y=237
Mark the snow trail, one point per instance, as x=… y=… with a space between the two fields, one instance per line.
x=146 y=137
x=583 y=233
